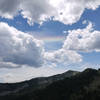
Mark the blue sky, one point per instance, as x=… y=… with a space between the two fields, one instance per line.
x=61 y=35
x=55 y=28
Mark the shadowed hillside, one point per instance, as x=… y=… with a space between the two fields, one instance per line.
x=71 y=85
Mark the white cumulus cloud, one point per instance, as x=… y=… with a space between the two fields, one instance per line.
x=63 y=56
x=65 y=11
x=85 y=40
x=19 y=48
x=9 y=8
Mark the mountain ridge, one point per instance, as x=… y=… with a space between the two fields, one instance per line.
x=74 y=87
x=35 y=82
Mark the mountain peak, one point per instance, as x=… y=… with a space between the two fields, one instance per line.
x=90 y=70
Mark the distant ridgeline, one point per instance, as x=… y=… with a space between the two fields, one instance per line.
x=71 y=85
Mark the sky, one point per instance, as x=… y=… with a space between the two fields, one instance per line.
x=40 y=38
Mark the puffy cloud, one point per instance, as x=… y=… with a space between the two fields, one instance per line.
x=65 y=11
x=18 y=48
x=9 y=8
x=85 y=40
x=70 y=11
x=63 y=56
x=36 y=10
